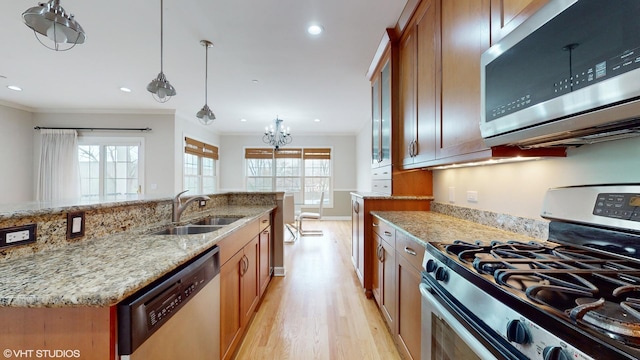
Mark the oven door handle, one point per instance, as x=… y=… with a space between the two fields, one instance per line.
x=471 y=341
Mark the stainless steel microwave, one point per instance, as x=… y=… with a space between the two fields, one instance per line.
x=568 y=75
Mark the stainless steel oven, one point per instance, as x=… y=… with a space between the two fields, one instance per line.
x=444 y=336
x=575 y=295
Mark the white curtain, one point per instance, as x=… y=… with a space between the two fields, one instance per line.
x=58 y=172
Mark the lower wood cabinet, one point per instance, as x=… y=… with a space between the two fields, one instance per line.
x=244 y=276
x=397 y=272
x=384 y=276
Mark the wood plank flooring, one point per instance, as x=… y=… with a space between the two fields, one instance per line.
x=318 y=310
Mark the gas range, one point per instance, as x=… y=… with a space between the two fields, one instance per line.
x=574 y=296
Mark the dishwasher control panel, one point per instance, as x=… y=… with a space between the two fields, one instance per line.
x=162 y=307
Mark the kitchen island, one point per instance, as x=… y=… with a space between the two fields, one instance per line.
x=61 y=295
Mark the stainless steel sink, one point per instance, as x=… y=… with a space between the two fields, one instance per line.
x=218 y=220
x=187 y=230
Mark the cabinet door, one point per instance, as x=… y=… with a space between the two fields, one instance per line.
x=506 y=15
x=355 y=230
x=427 y=96
x=387 y=279
x=230 y=313
x=250 y=287
x=375 y=122
x=265 y=259
x=407 y=111
x=376 y=273
x=409 y=307
x=385 y=114
x=464 y=37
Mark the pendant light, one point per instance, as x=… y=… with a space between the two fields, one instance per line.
x=49 y=19
x=205 y=114
x=160 y=87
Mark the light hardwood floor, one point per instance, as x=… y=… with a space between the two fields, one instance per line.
x=318 y=310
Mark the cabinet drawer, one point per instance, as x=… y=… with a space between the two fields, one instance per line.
x=381 y=173
x=381 y=186
x=410 y=249
x=265 y=221
x=385 y=231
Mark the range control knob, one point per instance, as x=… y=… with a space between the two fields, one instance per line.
x=555 y=353
x=441 y=274
x=517 y=332
x=432 y=265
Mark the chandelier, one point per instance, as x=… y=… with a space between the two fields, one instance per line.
x=277 y=135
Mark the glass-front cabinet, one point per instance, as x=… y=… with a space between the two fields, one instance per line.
x=381 y=116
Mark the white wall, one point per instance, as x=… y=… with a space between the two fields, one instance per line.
x=16 y=156
x=518 y=189
x=363 y=158
x=159 y=143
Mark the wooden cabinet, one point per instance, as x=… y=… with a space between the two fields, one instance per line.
x=506 y=15
x=362 y=237
x=244 y=275
x=418 y=92
x=464 y=37
x=265 y=260
x=358 y=236
x=383 y=274
x=408 y=269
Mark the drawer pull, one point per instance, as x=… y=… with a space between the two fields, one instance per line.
x=375 y=225
x=265 y=221
x=387 y=233
x=410 y=251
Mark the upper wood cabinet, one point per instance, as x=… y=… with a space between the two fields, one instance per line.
x=419 y=84
x=506 y=15
x=464 y=37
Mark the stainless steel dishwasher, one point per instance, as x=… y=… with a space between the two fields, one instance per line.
x=175 y=317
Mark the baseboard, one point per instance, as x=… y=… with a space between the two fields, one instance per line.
x=279 y=271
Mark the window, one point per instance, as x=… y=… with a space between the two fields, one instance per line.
x=303 y=172
x=110 y=166
x=199 y=167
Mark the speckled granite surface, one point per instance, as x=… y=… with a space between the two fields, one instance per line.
x=104 y=270
x=529 y=227
x=371 y=195
x=428 y=226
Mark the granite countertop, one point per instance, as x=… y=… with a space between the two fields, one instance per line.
x=373 y=195
x=426 y=226
x=103 y=271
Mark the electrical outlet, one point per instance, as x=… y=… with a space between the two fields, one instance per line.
x=203 y=203
x=472 y=196
x=17 y=235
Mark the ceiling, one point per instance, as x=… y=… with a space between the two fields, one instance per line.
x=300 y=77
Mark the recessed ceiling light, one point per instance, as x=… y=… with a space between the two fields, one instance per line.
x=243 y=120
x=314 y=29
x=255 y=81
x=125 y=89
x=316 y=120
x=14 y=88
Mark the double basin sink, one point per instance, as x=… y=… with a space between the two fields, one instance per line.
x=203 y=226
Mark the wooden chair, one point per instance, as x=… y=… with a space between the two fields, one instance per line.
x=311 y=216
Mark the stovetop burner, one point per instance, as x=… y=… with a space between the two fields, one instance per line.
x=583 y=285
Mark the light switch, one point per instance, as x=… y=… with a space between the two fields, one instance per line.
x=75 y=224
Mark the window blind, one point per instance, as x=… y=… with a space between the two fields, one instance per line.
x=199 y=148
x=258 y=153
x=317 y=153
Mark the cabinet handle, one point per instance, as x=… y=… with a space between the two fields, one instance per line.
x=387 y=233
x=375 y=225
x=356 y=207
x=410 y=251
x=265 y=220
x=382 y=256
